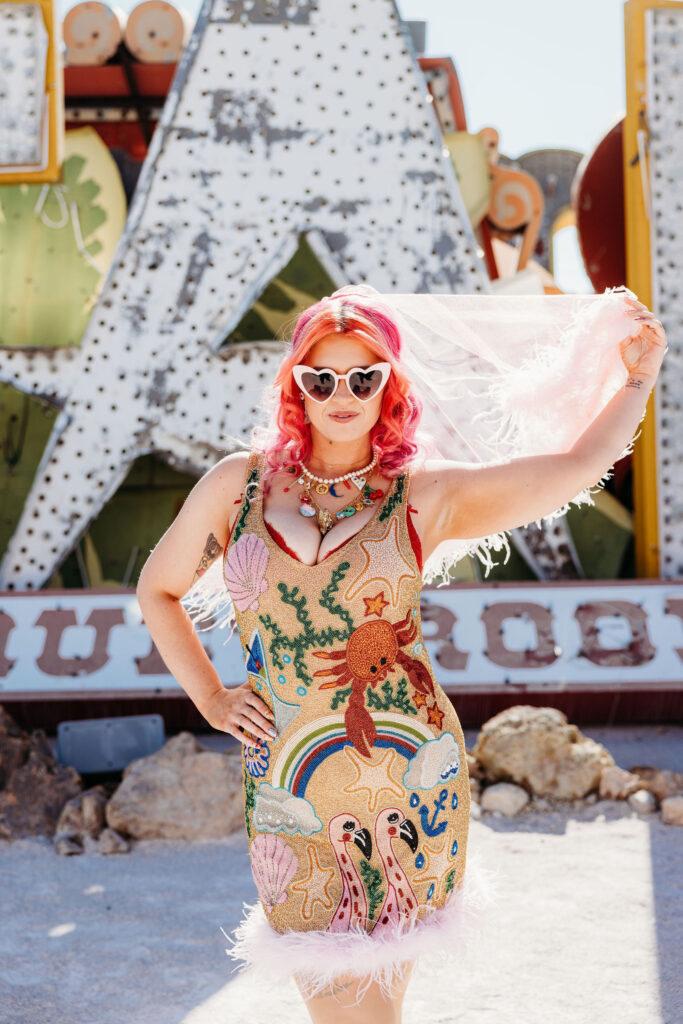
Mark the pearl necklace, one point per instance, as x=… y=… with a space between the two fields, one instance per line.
x=357 y=477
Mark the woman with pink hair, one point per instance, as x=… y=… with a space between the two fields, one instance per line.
x=355 y=772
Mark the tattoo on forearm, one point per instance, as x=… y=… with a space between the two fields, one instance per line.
x=633 y=382
x=211 y=551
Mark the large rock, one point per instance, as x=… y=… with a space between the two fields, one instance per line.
x=182 y=791
x=537 y=748
x=34 y=786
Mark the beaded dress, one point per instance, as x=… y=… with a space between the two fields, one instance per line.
x=357 y=814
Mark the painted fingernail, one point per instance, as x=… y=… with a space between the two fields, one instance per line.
x=272 y=732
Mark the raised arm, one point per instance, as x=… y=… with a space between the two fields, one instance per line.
x=461 y=500
x=197 y=537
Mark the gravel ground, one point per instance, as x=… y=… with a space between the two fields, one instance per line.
x=589 y=925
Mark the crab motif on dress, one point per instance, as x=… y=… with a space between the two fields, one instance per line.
x=371 y=652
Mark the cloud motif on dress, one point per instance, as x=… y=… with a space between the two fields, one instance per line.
x=433 y=762
x=277 y=810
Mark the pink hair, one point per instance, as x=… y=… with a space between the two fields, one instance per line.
x=366 y=320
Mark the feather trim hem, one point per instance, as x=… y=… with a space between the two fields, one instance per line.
x=318 y=957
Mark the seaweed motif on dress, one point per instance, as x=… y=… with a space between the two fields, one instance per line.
x=309 y=636
x=372 y=880
x=391 y=503
x=244 y=511
x=249 y=799
x=393 y=698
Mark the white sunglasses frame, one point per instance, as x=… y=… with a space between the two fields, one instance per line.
x=301 y=368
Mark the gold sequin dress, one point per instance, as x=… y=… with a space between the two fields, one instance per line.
x=357 y=814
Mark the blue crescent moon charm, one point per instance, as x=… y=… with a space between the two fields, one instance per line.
x=332 y=491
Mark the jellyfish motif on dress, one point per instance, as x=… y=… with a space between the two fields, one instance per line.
x=245 y=571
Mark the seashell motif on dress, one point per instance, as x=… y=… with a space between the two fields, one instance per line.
x=273 y=865
x=245 y=571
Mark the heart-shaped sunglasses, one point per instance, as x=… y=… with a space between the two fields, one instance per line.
x=363 y=384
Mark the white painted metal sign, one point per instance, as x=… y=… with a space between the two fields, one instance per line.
x=481 y=638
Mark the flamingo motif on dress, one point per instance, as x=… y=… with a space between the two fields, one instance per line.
x=343 y=830
x=400 y=900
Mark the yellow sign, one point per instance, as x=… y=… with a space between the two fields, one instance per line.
x=32 y=112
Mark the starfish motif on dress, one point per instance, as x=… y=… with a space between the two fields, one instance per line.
x=384 y=560
x=438 y=862
x=375 y=605
x=375 y=777
x=435 y=715
x=314 y=886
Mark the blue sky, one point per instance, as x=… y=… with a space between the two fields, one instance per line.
x=545 y=74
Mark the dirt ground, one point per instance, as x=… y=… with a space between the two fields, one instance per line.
x=589 y=924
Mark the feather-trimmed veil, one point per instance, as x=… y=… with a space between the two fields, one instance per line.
x=500 y=377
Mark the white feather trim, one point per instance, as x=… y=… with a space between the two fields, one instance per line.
x=318 y=957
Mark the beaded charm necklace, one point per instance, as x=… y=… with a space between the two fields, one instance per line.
x=358 y=478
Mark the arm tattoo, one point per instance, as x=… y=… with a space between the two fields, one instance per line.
x=211 y=551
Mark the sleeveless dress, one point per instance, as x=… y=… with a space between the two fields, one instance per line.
x=357 y=814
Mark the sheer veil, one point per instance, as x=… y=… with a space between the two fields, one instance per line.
x=500 y=376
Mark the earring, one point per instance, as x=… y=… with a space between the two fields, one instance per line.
x=301 y=395
x=306 y=419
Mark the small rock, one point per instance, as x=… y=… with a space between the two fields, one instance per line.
x=67 y=845
x=111 y=842
x=591 y=798
x=672 y=810
x=617 y=784
x=475 y=810
x=83 y=814
x=662 y=783
x=642 y=801
x=504 y=797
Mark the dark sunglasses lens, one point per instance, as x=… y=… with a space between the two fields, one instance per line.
x=318 y=385
x=365 y=383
